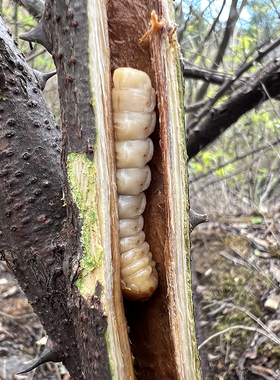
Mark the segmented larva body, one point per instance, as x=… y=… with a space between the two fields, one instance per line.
x=134 y=101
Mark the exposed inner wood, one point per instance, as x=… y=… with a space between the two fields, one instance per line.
x=148 y=322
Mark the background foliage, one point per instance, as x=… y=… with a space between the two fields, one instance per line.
x=239 y=172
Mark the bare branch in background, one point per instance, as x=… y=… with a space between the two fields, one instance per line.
x=201 y=47
x=275 y=8
x=33 y=56
x=231 y=22
x=214 y=78
x=183 y=24
x=197 y=125
x=181 y=21
x=195 y=106
x=207 y=76
x=247 y=97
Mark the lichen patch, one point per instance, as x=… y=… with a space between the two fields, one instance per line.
x=81 y=172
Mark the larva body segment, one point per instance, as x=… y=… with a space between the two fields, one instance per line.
x=133 y=126
x=131 y=206
x=132 y=226
x=132 y=181
x=131 y=242
x=134 y=153
x=134 y=101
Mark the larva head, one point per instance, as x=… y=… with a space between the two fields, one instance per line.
x=132 y=91
x=128 y=78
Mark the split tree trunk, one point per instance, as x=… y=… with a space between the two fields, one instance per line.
x=72 y=274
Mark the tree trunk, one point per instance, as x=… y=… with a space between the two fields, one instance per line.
x=72 y=270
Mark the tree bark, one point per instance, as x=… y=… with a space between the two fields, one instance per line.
x=32 y=222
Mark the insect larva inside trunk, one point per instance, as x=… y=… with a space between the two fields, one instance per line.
x=134 y=101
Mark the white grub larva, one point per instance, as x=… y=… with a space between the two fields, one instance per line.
x=134 y=101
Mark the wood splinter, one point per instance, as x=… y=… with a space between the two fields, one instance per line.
x=156 y=26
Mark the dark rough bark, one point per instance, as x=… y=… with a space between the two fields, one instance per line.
x=32 y=221
x=67 y=28
x=247 y=97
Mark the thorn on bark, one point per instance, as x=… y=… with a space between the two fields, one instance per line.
x=51 y=353
x=196 y=219
x=43 y=77
x=38 y=34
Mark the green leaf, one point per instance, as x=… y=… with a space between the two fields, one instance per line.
x=265 y=117
x=256 y=220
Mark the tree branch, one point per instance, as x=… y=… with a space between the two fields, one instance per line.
x=232 y=19
x=229 y=82
x=207 y=76
x=201 y=47
x=248 y=96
